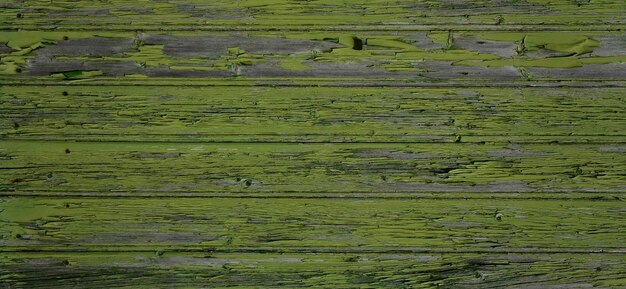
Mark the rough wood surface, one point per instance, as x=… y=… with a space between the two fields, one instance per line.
x=270 y=14
x=430 y=56
x=317 y=143
x=99 y=168
x=312 y=225
x=318 y=270
x=313 y=114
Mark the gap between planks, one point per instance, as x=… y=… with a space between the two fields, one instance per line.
x=304 y=82
x=314 y=27
x=370 y=250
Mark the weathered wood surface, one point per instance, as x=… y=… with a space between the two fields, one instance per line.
x=313 y=114
x=429 y=56
x=121 y=168
x=272 y=14
x=326 y=144
x=312 y=225
x=317 y=270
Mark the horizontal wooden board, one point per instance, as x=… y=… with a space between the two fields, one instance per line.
x=246 y=270
x=311 y=225
x=177 y=169
x=261 y=14
x=312 y=114
x=422 y=56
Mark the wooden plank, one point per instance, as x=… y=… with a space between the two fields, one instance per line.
x=177 y=169
x=360 y=270
x=198 y=14
x=312 y=114
x=430 y=56
x=311 y=225
x=325 y=144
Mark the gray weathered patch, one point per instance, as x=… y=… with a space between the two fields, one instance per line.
x=320 y=69
x=89 y=47
x=42 y=66
x=516 y=153
x=613 y=149
x=502 y=48
x=214 y=46
x=422 y=41
x=78 y=12
x=611 y=70
x=499 y=186
x=158 y=155
x=393 y=154
x=5 y=49
x=164 y=71
x=212 y=11
x=612 y=45
x=151 y=237
x=446 y=70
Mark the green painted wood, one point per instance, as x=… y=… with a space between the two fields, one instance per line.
x=122 y=168
x=268 y=14
x=312 y=225
x=429 y=56
x=325 y=144
x=312 y=114
x=317 y=270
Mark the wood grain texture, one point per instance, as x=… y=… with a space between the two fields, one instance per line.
x=313 y=114
x=430 y=56
x=267 y=14
x=312 y=225
x=186 y=168
x=323 y=144
x=318 y=270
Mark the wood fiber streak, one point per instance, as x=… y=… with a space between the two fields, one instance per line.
x=317 y=270
x=267 y=14
x=316 y=143
x=311 y=225
x=306 y=114
x=99 y=169
x=421 y=56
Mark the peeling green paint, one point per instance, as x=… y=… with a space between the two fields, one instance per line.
x=326 y=144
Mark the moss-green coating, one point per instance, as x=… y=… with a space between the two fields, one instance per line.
x=177 y=169
x=321 y=143
x=298 y=114
x=379 y=54
x=161 y=269
x=231 y=224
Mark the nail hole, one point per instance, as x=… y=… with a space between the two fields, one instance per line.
x=358 y=43
x=248 y=183
x=67 y=151
x=17 y=180
x=238 y=179
x=18 y=70
x=65 y=38
x=65 y=262
x=457 y=139
x=67 y=205
x=499 y=216
x=64 y=93
x=18 y=236
x=18 y=15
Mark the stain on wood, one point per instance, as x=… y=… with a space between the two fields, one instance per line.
x=325 y=144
